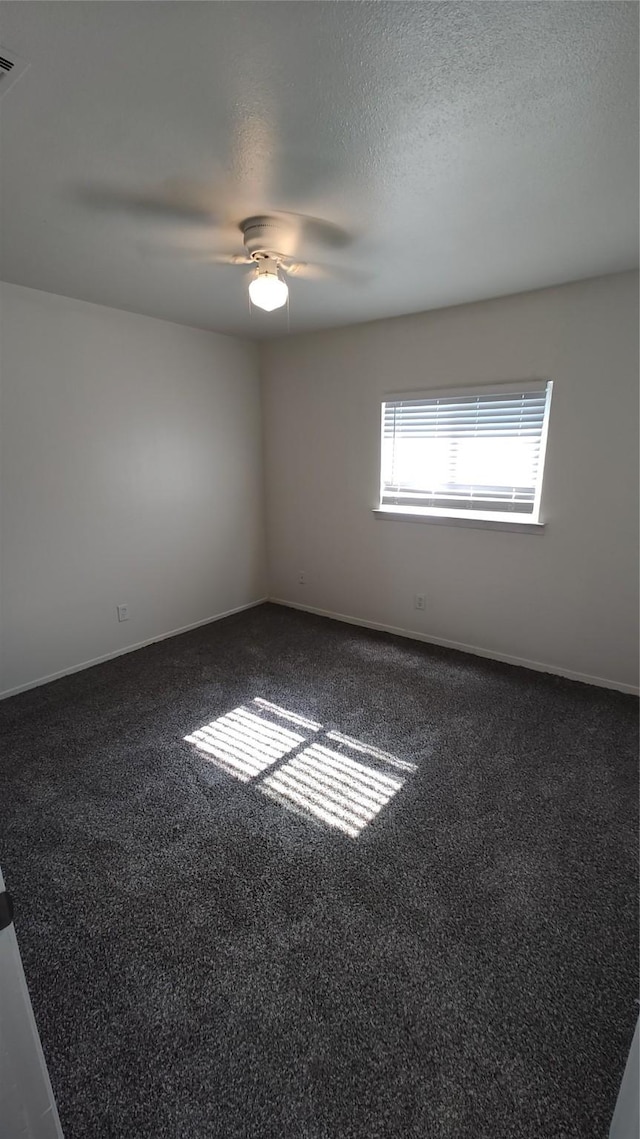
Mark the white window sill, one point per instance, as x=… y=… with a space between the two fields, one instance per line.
x=473 y=519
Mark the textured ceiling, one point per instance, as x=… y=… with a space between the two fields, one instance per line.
x=470 y=149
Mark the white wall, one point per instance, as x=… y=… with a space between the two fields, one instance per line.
x=131 y=471
x=567 y=598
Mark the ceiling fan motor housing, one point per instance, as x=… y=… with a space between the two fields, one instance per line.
x=268 y=237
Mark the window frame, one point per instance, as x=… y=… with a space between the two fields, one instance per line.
x=495 y=520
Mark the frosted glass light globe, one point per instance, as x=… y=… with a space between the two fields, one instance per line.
x=267 y=291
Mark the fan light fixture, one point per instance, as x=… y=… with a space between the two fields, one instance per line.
x=266 y=289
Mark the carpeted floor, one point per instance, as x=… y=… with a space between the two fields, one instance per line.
x=426 y=930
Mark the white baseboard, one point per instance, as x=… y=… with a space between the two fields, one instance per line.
x=128 y=649
x=475 y=650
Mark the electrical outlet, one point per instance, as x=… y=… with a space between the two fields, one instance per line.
x=418 y=601
x=123 y=612
x=302 y=578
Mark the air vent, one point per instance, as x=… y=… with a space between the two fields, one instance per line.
x=11 y=68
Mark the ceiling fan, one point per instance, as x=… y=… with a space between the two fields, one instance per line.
x=271 y=241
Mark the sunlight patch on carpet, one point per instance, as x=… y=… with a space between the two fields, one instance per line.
x=344 y=785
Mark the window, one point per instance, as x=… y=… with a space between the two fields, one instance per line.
x=481 y=450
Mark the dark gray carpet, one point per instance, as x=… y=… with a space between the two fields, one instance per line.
x=204 y=961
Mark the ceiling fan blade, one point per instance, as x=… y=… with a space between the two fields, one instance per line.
x=206 y=204
x=215 y=205
x=318 y=231
x=173 y=202
x=314 y=271
x=225 y=259
x=305 y=270
x=200 y=256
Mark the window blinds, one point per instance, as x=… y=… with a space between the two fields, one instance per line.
x=479 y=450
